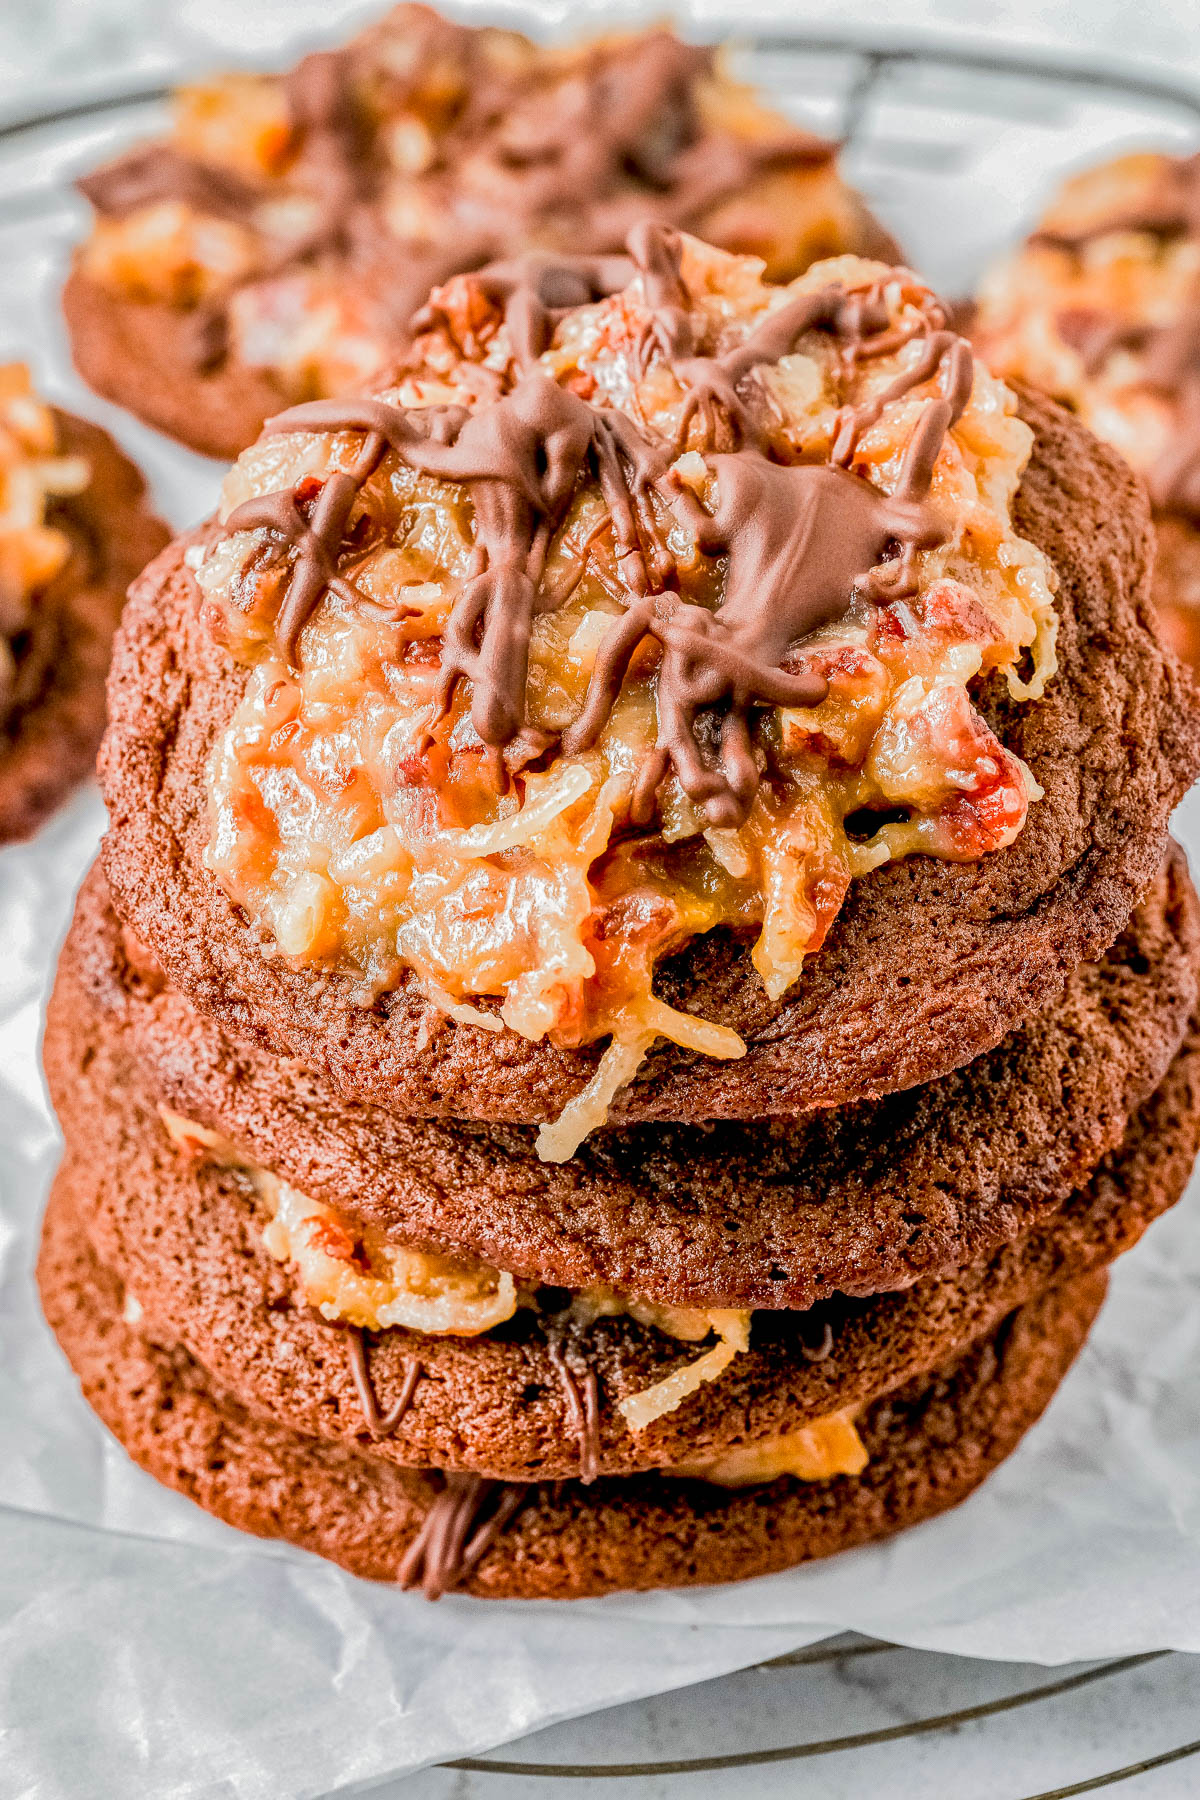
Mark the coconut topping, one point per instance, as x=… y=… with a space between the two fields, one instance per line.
x=357 y=1279
x=816 y=1452
x=689 y=1324
x=355 y=1276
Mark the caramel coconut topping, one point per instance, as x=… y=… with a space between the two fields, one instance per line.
x=815 y=1452
x=301 y=219
x=32 y=550
x=616 y=620
x=357 y=1277
x=1102 y=309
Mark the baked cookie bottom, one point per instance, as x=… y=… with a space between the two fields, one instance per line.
x=49 y=741
x=930 y=1444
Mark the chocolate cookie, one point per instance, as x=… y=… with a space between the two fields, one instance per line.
x=52 y=725
x=928 y=964
x=277 y=244
x=186 y=1238
x=767 y=1214
x=929 y=1445
x=140 y=355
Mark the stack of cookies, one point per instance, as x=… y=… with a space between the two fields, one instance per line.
x=637 y=981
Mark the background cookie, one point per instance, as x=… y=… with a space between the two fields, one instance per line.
x=1098 y=307
x=48 y=742
x=137 y=353
x=277 y=243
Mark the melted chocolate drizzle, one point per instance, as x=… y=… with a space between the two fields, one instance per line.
x=583 y=1405
x=316 y=540
x=152 y=173
x=463 y=1523
x=798 y=539
x=712 y=383
x=549 y=157
x=380 y=1424
x=337 y=156
x=521 y=458
x=534 y=291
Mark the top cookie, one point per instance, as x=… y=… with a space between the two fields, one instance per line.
x=505 y=707
x=275 y=246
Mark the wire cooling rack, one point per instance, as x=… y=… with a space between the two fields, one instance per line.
x=876 y=1719
x=954 y=147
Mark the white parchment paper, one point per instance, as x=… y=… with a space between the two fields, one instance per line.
x=146 y=1650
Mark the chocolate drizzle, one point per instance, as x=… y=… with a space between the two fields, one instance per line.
x=798 y=539
x=583 y=1406
x=530 y=152
x=522 y=458
x=534 y=291
x=316 y=540
x=582 y=155
x=337 y=160
x=712 y=383
x=380 y=1424
x=153 y=173
x=463 y=1523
